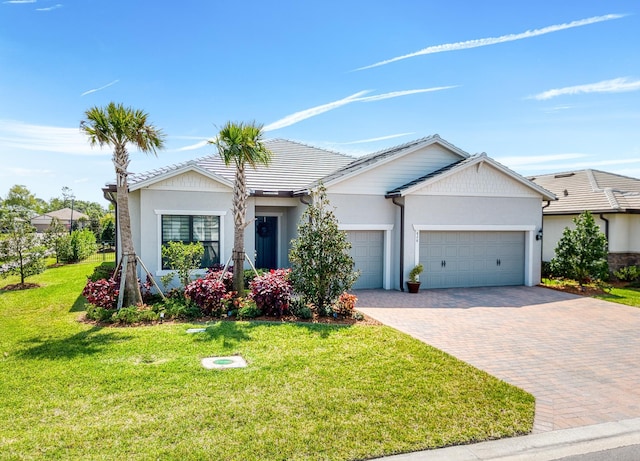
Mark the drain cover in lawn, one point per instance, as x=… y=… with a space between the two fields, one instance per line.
x=216 y=363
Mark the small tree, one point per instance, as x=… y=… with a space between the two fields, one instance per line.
x=54 y=236
x=322 y=268
x=20 y=250
x=184 y=258
x=581 y=253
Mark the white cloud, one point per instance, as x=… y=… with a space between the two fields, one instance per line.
x=50 y=8
x=23 y=136
x=381 y=138
x=195 y=146
x=496 y=40
x=356 y=97
x=101 y=88
x=312 y=112
x=616 y=85
x=25 y=172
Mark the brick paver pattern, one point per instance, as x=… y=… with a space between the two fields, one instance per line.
x=579 y=357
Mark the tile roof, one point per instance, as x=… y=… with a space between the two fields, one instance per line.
x=593 y=190
x=294 y=166
x=63 y=214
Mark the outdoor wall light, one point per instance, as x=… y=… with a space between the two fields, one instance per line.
x=539 y=235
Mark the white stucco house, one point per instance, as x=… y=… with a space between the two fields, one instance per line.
x=612 y=199
x=468 y=219
x=66 y=216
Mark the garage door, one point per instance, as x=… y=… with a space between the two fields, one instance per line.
x=471 y=259
x=367 y=253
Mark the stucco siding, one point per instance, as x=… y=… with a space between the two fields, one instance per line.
x=154 y=202
x=401 y=170
x=362 y=209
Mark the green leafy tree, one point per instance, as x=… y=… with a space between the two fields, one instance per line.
x=184 y=258
x=581 y=253
x=54 y=236
x=117 y=126
x=78 y=246
x=21 y=198
x=241 y=144
x=322 y=268
x=21 y=252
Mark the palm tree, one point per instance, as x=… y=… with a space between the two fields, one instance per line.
x=241 y=144
x=117 y=126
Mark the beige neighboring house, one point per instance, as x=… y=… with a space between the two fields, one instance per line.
x=468 y=219
x=65 y=216
x=614 y=201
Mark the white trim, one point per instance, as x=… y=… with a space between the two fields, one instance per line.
x=278 y=215
x=386 y=260
x=159 y=213
x=178 y=171
x=529 y=240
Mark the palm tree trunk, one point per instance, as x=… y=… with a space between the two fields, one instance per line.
x=132 y=295
x=239 y=213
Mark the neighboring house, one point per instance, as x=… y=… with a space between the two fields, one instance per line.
x=468 y=219
x=614 y=201
x=65 y=216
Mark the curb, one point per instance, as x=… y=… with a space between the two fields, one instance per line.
x=545 y=446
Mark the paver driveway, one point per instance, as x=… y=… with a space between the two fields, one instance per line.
x=579 y=357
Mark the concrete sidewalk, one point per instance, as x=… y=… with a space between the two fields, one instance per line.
x=547 y=446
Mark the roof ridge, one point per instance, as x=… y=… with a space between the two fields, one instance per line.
x=608 y=192
x=311 y=146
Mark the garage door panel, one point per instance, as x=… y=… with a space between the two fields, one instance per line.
x=466 y=259
x=367 y=251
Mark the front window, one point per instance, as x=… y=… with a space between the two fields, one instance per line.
x=188 y=229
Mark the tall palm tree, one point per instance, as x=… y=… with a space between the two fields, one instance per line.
x=117 y=126
x=241 y=144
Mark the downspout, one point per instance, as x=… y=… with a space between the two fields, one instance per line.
x=542 y=239
x=606 y=227
x=401 y=205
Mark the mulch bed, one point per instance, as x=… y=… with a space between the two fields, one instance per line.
x=586 y=290
x=19 y=286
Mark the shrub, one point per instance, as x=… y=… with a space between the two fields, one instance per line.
x=227 y=278
x=135 y=314
x=207 y=293
x=177 y=308
x=581 y=253
x=247 y=309
x=78 y=246
x=272 y=292
x=322 y=267
x=345 y=305
x=102 y=293
x=628 y=274
x=99 y=314
x=184 y=258
x=249 y=275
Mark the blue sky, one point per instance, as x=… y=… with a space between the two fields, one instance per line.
x=541 y=86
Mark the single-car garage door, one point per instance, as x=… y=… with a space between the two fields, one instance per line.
x=367 y=253
x=471 y=259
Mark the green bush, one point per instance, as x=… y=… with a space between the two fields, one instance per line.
x=299 y=308
x=78 y=246
x=628 y=274
x=249 y=311
x=179 y=308
x=135 y=314
x=99 y=314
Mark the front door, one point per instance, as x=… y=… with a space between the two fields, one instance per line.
x=266 y=242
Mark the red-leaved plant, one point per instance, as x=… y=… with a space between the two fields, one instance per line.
x=102 y=293
x=345 y=304
x=208 y=294
x=272 y=292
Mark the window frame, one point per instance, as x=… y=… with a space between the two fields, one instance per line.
x=159 y=213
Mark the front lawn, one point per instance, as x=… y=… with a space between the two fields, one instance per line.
x=71 y=390
x=621 y=293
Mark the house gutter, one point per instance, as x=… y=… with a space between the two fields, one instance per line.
x=401 y=205
x=606 y=227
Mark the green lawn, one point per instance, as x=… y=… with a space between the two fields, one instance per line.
x=627 y=295
x=70 y=390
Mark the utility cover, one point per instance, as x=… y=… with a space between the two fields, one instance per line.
x=218 y=363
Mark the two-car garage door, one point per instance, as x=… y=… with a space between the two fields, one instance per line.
x=471 y=258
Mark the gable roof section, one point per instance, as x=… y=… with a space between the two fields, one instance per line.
x=63 y=214
x=593 y=190
x=370 y=161
x=293 y=166
x=463 y=164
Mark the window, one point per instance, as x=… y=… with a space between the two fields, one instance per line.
x=187 y=229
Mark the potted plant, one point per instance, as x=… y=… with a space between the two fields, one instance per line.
x=414 y=279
